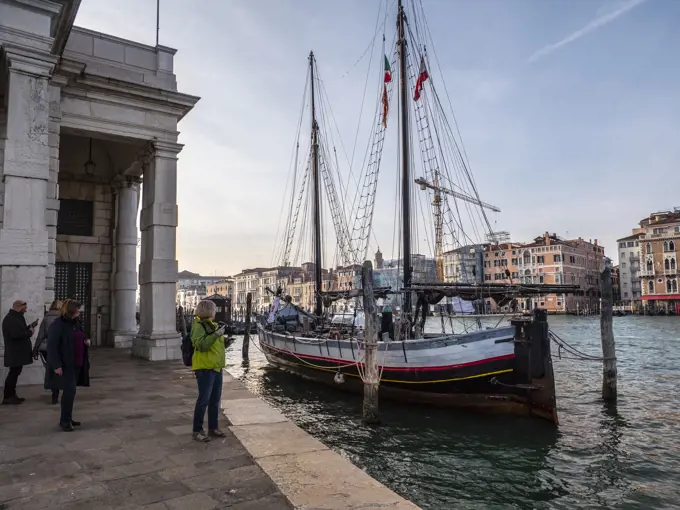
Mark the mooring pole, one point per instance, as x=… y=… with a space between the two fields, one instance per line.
x=246 y=333
x=607 y=332
x=371 y=374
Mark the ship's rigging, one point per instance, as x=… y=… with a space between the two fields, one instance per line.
x=446 y=212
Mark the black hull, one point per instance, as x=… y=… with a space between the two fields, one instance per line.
x=520 y=383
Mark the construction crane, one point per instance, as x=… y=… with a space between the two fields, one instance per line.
x=424 y=185
x=438 y=190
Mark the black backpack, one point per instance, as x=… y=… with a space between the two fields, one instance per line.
x=188 y=346
x=187 y=350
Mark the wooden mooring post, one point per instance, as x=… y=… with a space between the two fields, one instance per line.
x=246 y=333
x=607 y=332
x=371 y=373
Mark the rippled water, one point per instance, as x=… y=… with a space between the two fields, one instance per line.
x=601 y=456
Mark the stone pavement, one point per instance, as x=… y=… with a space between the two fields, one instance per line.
x=133 y=451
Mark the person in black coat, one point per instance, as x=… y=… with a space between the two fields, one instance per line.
x=18 y=349
x=67 y=358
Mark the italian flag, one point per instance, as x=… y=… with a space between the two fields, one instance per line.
x=386 y=106
x=422 y=76
x=388 y=71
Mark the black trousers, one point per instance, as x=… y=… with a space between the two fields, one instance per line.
x=68 y=379
x=11 y=381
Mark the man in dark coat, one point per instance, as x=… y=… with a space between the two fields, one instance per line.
x=18 y=349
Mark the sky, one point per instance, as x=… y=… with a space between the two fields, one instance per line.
x=568 y=109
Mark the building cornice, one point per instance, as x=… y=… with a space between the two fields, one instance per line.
x=140 y=96
x=64 y=25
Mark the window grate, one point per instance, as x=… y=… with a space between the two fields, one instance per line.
x=73 y=280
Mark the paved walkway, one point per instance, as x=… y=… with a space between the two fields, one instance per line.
x=133 y=451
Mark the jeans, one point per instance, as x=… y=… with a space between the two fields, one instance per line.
x=209 y=395
x=11 y=382
x=68 y=386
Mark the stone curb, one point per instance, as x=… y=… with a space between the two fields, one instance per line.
x=308 y=473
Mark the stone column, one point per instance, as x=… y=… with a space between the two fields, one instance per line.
x=124 y=324
x=52 y=194
x=25 y=169
x=158 y=338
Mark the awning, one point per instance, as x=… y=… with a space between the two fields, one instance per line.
x=660 y=297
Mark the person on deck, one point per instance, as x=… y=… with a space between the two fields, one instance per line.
x=207 y=363
x=17 y=338
x=40 y=349
x=67 y=358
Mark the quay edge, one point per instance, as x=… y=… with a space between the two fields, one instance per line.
x=306 y=471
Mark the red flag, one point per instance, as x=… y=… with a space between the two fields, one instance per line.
x=388 y=71
x=421 y=79
x=386 y=106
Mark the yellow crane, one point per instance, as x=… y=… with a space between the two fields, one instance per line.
x=439 y=220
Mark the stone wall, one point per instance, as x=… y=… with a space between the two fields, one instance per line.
x=95 y=249
x=106 y=55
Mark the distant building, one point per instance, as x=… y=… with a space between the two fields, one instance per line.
x=464 y=264
x=500 y=263
x=224 y=287
x=549 y=259
x=616 y=285
x=659 y=260
x=629 y=268
x=191 y=288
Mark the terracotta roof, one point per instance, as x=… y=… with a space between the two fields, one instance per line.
x=630 y=237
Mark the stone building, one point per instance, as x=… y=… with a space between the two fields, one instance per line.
x=629 y=268
x=549 y=259
x=85 y=119
x=464 y=264
x=660 y=255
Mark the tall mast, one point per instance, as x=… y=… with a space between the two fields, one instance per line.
x=405 y=157
x=316 y=211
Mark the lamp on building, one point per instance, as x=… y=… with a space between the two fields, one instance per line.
x=90 y=166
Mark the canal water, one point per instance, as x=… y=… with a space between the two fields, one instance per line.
x=601 y=456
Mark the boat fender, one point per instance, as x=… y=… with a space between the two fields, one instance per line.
x=339 y=377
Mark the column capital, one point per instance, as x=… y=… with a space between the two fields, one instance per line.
x=165 y=149
x=126 y=182
x=29 y=61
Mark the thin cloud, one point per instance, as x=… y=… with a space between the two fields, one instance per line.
x=598 y=22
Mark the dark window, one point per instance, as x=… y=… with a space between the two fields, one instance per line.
x=76 y=217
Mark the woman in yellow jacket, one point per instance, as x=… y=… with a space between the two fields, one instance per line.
x=207 y=363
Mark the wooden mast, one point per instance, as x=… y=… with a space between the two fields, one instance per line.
x=316 y=210
x=405 y=158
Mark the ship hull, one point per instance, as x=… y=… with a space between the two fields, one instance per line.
x=478 y=370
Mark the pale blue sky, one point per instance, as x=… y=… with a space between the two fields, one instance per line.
x=569 y=109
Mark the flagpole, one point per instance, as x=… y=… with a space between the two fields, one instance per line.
x=158 y=19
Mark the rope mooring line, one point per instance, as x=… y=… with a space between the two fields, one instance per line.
x=577 y=354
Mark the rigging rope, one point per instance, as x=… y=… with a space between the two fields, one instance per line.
x=577 y=354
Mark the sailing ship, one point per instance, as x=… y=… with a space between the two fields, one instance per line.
x=503 y=368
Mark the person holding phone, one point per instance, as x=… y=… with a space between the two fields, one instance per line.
x=18 y=349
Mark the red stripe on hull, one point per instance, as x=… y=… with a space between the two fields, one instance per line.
x=397 y=369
